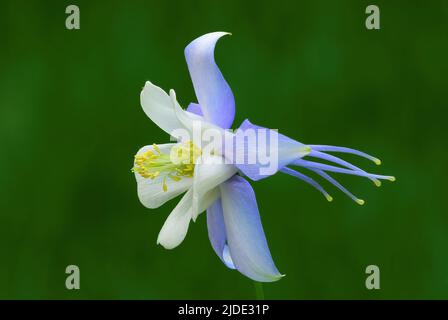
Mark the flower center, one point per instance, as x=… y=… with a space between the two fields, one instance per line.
x=179 y=163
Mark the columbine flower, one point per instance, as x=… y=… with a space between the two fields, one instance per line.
x=167 y=170
x=209 y=182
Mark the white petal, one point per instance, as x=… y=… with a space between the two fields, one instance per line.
x=176 y=225
x=208 y=174
x=192 y=121
x=150 y=191
x=207 y=200
x=158 y=107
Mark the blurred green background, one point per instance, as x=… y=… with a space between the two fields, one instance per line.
x=70 y=123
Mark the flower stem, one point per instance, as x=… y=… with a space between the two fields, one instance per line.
x=259 y=292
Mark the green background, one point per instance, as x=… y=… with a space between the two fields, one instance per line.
x=70 y=123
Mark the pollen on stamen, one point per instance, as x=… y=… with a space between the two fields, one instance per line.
x=156 y=147
x=377 y=182
x=174 y=178
x=329 y=198
x=377 y=161
x=164 y=186
x=153 y=163
x=360 y=202
x=155 y=175
x=392 y=179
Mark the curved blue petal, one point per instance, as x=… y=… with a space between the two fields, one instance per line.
x=266 y=151
x=213 y=93
x=217 y=233
x=195 y=108
x=245 y=236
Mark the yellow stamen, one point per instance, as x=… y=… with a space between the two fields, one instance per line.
x=360 y=202
x=180 y=163
x=156 y=147
x=377 y=182
x=175 y=178
x=377 y=161
x=329 y=198
x=164 y=186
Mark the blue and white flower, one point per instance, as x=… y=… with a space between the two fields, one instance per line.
x=209 y=180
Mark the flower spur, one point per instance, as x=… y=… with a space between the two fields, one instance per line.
x=296 y=155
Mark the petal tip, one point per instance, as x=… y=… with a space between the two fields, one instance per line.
x=277 y=277
x=148 y=85
x=166 y=246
